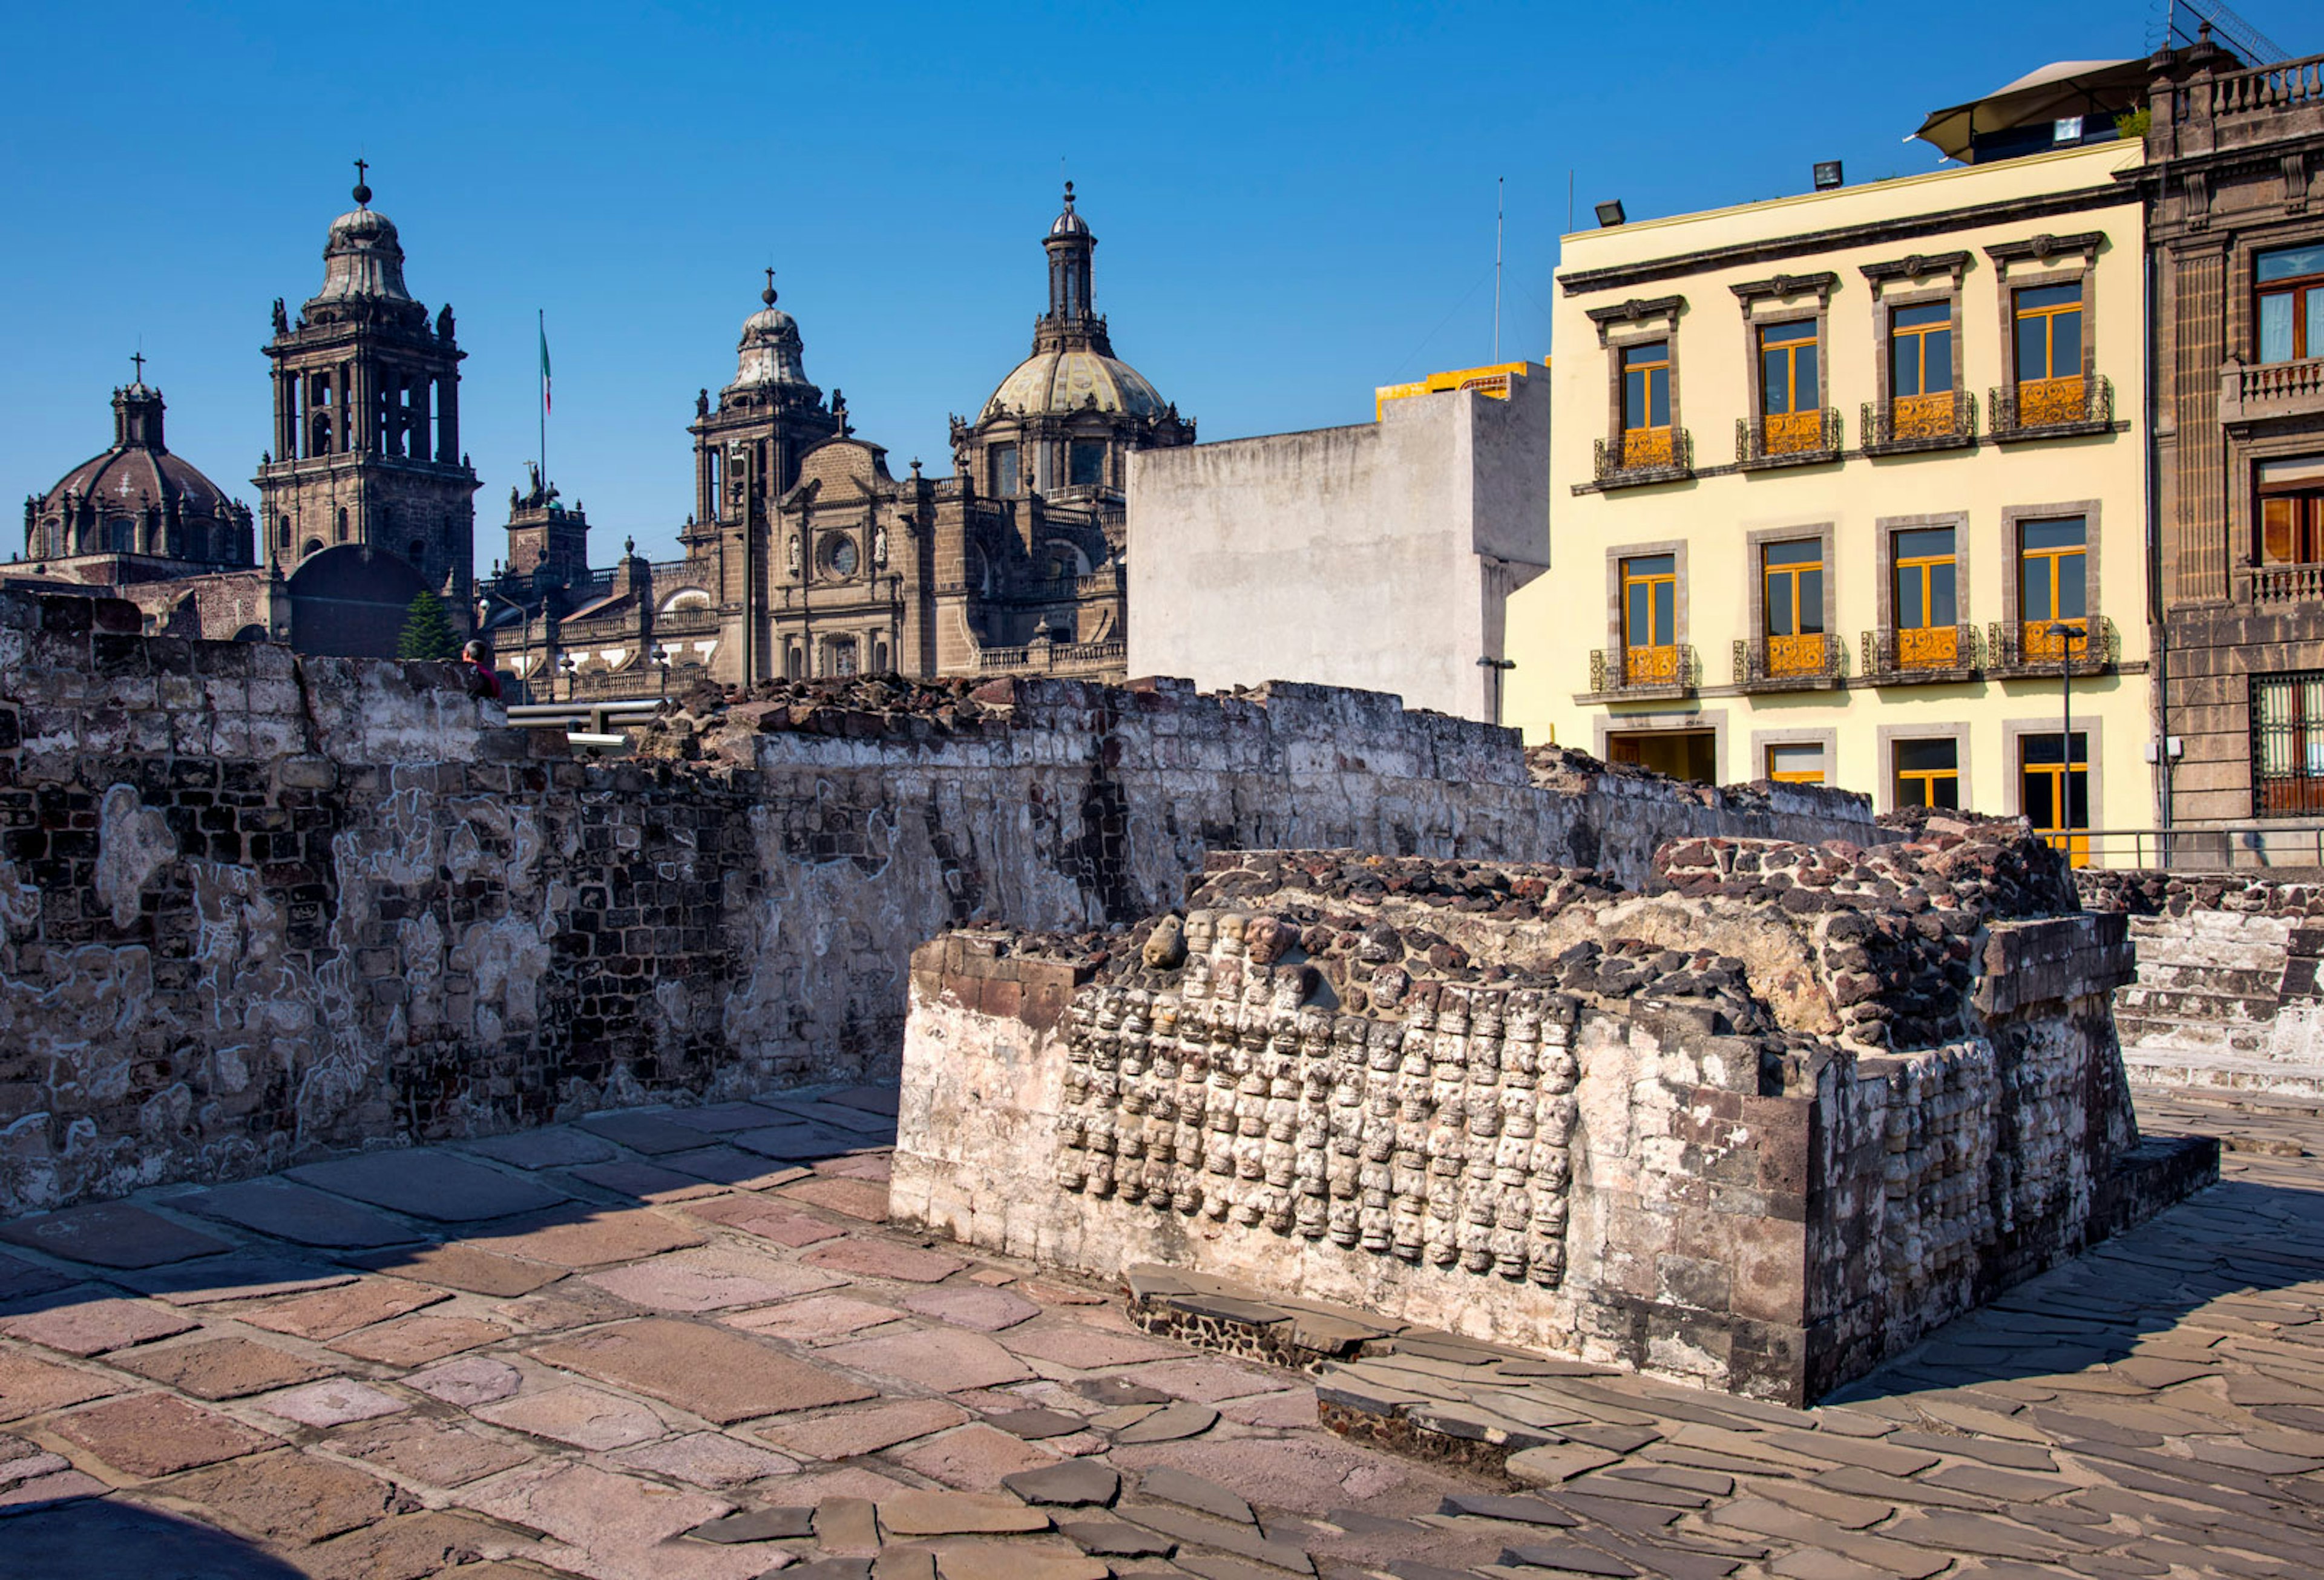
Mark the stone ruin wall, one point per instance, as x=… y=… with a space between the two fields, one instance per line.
x=1758 y=1129
x=2228 y=993
x=253 y=907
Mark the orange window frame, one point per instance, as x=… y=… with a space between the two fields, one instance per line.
x=1785 y=353
x=2049 y=316
x=1650 y=583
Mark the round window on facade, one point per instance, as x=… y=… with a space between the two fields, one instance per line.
x=839 y=555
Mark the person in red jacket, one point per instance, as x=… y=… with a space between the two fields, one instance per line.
x=477 y=657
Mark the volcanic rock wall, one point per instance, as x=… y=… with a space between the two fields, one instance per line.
x=254 y=905
x=1756 y=1129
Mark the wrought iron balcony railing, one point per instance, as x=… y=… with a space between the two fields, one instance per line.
x=2049 y=407
x=2029 y=647
x=1643 y=456
x=1920 y=422
x=1920 y=653
x=1789 y=438
x=1672 y=667
x=1795 y=663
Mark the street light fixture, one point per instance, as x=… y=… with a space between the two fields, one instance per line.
x=572 y=668
x=661 y=656
x=2068 y=633
x=1499 y=666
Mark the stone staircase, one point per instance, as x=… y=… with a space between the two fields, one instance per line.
x=2223 y=1000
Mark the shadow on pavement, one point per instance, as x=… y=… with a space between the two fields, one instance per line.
x=94 y=1538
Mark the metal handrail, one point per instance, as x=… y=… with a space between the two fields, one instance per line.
x=582 y=717
x=2247 y=847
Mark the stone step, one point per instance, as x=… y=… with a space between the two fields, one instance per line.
x=2190 y=1036
x=2155 y=954
x=2208 y=978
x=2178 y=1068
x=2194 y=1004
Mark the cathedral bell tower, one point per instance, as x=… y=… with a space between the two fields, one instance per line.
x=747 y=449
x=366 y=447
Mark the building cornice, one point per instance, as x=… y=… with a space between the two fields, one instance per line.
x=1808 y=243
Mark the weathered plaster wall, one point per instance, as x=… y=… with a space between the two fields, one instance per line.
x=1378 y=556
x=1517 y=1103
x=254 y=905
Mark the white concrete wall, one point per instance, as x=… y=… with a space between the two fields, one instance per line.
x=1376 y=556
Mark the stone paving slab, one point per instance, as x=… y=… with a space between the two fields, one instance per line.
x=571 y=1389
x=112 y=1234
x=429 y=1182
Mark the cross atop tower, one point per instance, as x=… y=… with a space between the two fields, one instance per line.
x=363 y=191
x=768 y=294
x=140 y=360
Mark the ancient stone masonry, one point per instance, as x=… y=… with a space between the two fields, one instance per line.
x=1757 y=1127
x=254 y=905
x=2228 y=992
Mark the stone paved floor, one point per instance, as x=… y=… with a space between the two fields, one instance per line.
x=684 y=1344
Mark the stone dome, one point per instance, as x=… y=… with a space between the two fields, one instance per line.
x=1054 y=382
x=362 y=260
x=132 y=488
x=133 y=475
x=772 y=351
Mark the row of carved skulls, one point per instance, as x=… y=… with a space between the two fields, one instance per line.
x=1398 y=1138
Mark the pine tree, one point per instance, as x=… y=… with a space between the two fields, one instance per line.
x=428 y=630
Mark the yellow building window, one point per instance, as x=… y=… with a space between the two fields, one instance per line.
x=2055 y=793
x=1921 y=370
x=1650 y=621
x=1791 y=398
x=1646 y=405
x=2052 y=586
x=1927 y=600
x=1928 y=774
x=2049 y=355
x=1797 y=763
x=1792 y=576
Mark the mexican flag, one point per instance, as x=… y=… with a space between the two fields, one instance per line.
x=544 y=362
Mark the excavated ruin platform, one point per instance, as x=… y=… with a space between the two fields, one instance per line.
x=1756 y=1127
x=697 y=1349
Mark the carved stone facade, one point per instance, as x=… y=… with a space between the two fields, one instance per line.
x=2234 y=181
x=365 y=499
x=366 y=496
x=806 y=557
x=1757 y=1128
x=148 y=525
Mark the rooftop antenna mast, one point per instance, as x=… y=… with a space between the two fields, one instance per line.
x=1501 y=183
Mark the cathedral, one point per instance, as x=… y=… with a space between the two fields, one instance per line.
x=365 y=497
x=805 y=557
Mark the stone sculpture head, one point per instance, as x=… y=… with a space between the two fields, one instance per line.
x=1166 y=946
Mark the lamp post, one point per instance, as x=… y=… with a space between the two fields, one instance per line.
x=572 y=668
x=661 y=664
x=1499 y=667
x=2068 y=633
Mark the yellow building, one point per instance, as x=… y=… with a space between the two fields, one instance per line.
x=1933 y=504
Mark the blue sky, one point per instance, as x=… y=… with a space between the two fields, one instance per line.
x=1293 y=203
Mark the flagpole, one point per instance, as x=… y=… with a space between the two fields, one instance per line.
x=543 y=314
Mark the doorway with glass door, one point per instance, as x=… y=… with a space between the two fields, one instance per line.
x=2054 y=792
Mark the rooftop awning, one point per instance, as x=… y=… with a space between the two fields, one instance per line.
x=2061 y=88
